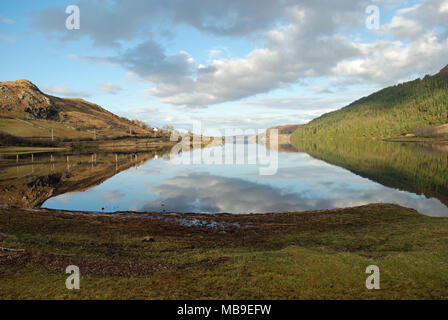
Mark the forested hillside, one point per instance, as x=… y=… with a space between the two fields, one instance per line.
x=398 y=110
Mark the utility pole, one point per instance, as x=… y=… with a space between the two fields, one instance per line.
x=52 y=134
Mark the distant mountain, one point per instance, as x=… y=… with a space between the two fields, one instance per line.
x=418 y=107
x=25 y=111
x=286 y=129
x=284 y=133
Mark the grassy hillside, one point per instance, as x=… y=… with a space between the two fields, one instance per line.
x=27 y=112
x=398 y=110
x=41 y=129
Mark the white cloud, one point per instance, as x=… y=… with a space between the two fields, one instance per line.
x=402 y=28
x=109 y=87
x=385 y=62
x=444 y=7
x=301 y=40
x=146 y=110
x=314 y=44
x=284 y=60
x=108 y=25
x=63 y=90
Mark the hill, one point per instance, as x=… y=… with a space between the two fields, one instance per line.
x=284 y=133
x=27 y=112
x=286 y=129
x=418 y=107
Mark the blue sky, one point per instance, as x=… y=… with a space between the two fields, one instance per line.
x=231 y=64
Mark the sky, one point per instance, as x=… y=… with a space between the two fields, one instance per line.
x=245 y=64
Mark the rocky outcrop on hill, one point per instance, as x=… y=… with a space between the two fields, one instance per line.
x=22 y=97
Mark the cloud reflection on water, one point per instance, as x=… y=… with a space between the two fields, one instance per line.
x=203 y=192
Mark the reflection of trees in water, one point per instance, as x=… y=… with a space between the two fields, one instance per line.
x=418 y=168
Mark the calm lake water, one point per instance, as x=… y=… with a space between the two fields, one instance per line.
x=322 y=177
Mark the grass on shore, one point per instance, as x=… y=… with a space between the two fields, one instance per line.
x=314 y=255
x=40 y=128
x=130 y=144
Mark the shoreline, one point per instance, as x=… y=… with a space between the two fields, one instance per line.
x=201 y=214
x=221 y=215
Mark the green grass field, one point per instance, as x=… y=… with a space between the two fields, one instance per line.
x=40 y=129
x=314 y=255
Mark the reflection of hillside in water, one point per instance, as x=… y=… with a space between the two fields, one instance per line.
x=29 y=184
x=420 y=168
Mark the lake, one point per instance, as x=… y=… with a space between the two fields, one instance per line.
x=318 y=176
